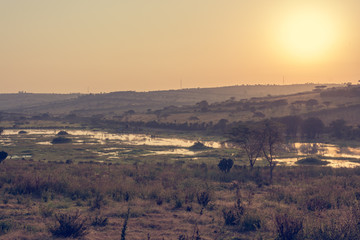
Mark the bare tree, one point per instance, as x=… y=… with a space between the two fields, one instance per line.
x=250 y=139
x=273 y=140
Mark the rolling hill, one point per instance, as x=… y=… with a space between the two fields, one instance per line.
x=116 y=103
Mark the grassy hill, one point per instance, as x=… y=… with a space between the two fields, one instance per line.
x=327 y=104
x=12 y=101
x=116 y=103
x=195 y=106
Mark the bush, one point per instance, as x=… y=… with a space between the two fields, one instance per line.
x=250 y=222
x=178 y=203
x=5 y=227
x=3 y=156
x=243 y=220
x=46 y=211
x=311 y=161
x=69 y=226
x=233 y=216
x=203 y=199
x=198 y=146
x=225 y=165
x=333 y=230
x=317 y=204
x=98 y=202
x=62 y=133
x=287 y=227
x=59 y=140
x=99 y=221
x=230 y=217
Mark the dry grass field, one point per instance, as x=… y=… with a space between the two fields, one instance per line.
x=177 y=201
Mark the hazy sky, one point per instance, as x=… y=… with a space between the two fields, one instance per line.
x=115 y=45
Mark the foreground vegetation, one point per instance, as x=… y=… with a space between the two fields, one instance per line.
x=42 y=200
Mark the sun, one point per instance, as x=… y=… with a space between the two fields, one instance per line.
x=307 y=34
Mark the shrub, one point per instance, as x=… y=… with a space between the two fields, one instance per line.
x=230 y=217
x=159 y=201
x=287 y=227
x=69 y=226
x=317 y=204
x=198 y=146
x=69 y=161
x=99 y=221
x=234 y=215
x=5 y=227
x=311 y=161
x=203 y=199
x=98 y=202
x=250 y=222
x=3 y=156
x=46 y=211
x=59 y=140
x=62 y=133
x=178 y=203
x=225 y=165
x=243 y=220
x=334 y=229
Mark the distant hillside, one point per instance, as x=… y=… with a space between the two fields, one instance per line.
x=116 y=103
x=327 y=104
x=11 y=101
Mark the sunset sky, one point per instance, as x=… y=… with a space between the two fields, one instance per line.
x=116 y=45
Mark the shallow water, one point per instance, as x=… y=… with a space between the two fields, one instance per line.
x=179 y=145
x=19 y=157
x=177 y=151
x=336 y=153
x=328 y=150
x=102 y=137
x=335 y=163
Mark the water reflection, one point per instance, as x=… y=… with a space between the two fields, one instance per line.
x=177 y=151
x=327 y=150
x=177 y=146
x=102 y=137
x=19 y=157
x=334 y=163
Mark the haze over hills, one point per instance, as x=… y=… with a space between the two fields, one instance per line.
x=118 y=102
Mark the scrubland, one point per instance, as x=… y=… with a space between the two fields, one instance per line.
x=176 y=201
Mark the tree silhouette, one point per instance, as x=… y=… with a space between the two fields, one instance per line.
x=292 y=125
x=339 y=129
x=273 y=140
x=250 y=139
x=225 y=165
x=312 y=127
x=3 y=156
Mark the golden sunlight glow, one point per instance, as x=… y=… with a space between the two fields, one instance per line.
x=108 y=45
x=308 y=34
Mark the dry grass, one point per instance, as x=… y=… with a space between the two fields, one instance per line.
x=164 y=200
